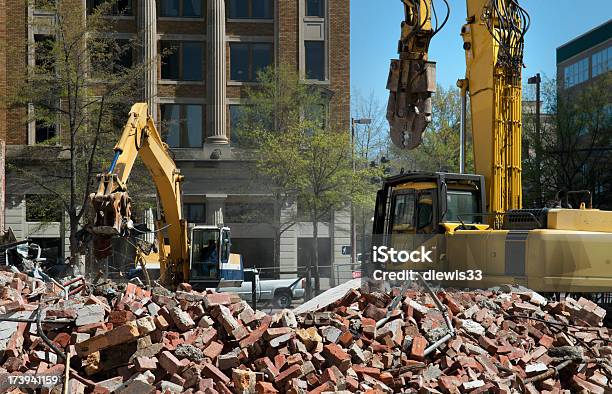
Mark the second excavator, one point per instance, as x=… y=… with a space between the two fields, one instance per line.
x=202 y=259
x=475 y=222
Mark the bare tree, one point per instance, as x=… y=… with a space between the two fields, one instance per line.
x=578 y=139
x=439 y=150
x=77 y=88
x=371 y=145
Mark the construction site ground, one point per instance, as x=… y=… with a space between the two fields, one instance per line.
x=127 y=339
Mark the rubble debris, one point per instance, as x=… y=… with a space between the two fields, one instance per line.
x=205 y=342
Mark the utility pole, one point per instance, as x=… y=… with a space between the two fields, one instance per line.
x=463 y=85
x=536 y=80
x=364 y=121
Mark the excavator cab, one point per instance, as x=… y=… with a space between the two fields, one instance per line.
x=415 y=210
x=210 y=260
x=427 y=203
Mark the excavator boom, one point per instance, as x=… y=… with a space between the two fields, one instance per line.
x=412 y=78
x=493 y=39
x=112 y=203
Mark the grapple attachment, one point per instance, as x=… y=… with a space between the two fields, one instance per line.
x=112 y=217
x=411 y=84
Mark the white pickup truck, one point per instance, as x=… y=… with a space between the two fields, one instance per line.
x=281 y=292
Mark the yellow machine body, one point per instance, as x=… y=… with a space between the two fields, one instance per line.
x=543 y=260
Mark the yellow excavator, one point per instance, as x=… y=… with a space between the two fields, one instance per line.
x=475 y=222
x=204 y=258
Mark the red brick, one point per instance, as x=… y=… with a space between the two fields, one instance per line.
x=120 y=317
x=337 y=356
x=352 y=384
x=264 y=364
x=216 y=299
x=265 y=388
x=294 y=371
x=169 y=362
x=546 y=341
x=62 y=339
x=145 y=363
x=346 y=338
x=213 y=350
x=360 y=369
x=210 y=371
x=279 y=361
x=327 y=386
x=488 y=344
x=588 y=386
x=417 y=351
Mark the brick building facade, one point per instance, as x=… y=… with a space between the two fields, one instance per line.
x=194 y=103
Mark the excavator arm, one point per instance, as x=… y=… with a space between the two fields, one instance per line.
x=112 y=204
x=412 y=77
x=493 y=39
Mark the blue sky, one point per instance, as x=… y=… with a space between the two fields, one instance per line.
x=375 y=30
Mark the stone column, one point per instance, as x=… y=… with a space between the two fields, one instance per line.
x=217 y=74
x=214 y=209
x=147 y=26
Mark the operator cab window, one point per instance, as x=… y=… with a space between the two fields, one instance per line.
x=204 y=254
x=225 y=248
x=460 y=205
x=403 y=213
x=413 y=213
x=425 y=213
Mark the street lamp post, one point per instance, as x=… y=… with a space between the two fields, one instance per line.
x=536 y=80
x=363 y=121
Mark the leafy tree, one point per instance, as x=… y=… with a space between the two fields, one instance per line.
x=303 y=159
x=576 y=141
x=439 y=150
x=77 y=83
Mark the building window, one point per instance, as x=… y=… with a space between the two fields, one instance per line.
x=317 y=115
x=305 y=215
x=180 y=8
x=236 y=112
x=42 y=208
x=315 y=8
x=576 y=73
x=44 y=131
x=315 y=60
x=250 y=9
x=43 y=53
x=241 y=212
x=119 y=7
x=123 y=56
x=44 y=5
x=182 y=60
x=115 y=58
x=601 y=61
x=195 y=213
x=247 y=59
x=183 y=125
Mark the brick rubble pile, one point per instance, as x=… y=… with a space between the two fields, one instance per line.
x=191 y=342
